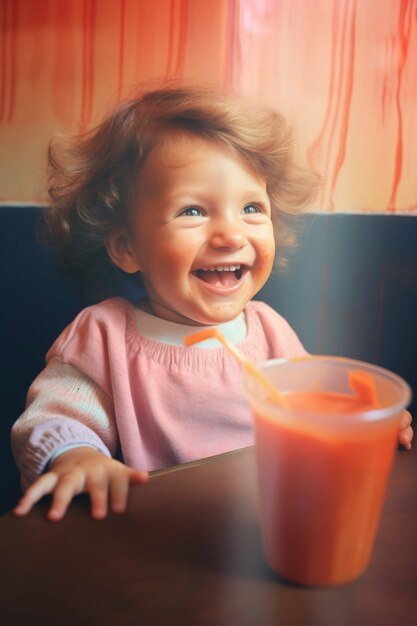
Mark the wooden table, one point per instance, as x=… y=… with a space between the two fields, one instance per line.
x=188 y=553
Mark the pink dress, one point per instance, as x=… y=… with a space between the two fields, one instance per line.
x=159 y=404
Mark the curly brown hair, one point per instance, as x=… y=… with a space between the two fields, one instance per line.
x=92 y=177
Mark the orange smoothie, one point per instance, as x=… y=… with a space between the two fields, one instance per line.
x=322 y=483
x=326 y=429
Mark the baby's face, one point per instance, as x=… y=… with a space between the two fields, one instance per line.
x=201 y=232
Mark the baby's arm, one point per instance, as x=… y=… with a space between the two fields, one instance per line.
x=79 y=470
x=406 y=432
x=65 y=408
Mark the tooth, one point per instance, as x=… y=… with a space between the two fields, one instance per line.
x=222 y=268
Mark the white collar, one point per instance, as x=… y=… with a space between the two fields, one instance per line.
x=173 y=334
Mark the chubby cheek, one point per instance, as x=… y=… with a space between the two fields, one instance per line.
x=266 y=256
x=266 y=260
x=175 y=260
x=164 y=273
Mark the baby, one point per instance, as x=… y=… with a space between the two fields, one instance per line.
x=188 y=191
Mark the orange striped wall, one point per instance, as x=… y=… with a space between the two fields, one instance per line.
x=344 y=71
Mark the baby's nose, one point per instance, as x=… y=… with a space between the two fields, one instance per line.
x=228 y=235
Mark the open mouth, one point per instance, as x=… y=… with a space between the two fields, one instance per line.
x=222 y=276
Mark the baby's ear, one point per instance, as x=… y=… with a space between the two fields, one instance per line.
x=120 y=250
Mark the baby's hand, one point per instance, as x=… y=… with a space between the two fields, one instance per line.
x=406 y=432
x=81 y=470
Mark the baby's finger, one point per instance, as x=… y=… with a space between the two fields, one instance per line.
x=119 y=490
x=405 y=437
x=67 y=487
x=405 y=420
x=138 y=478
x=44 y=485
x=98 y=490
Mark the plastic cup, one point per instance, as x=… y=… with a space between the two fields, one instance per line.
x=322 y=475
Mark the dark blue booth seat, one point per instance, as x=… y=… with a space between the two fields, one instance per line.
x=351 y=289
x=38 y=302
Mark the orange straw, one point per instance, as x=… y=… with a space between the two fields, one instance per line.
x=213 y=333
x=363 y=384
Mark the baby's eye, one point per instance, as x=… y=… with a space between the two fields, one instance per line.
x=192 y=211
x=252 y=208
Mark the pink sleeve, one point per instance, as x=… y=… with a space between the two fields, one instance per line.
x=63 y=407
